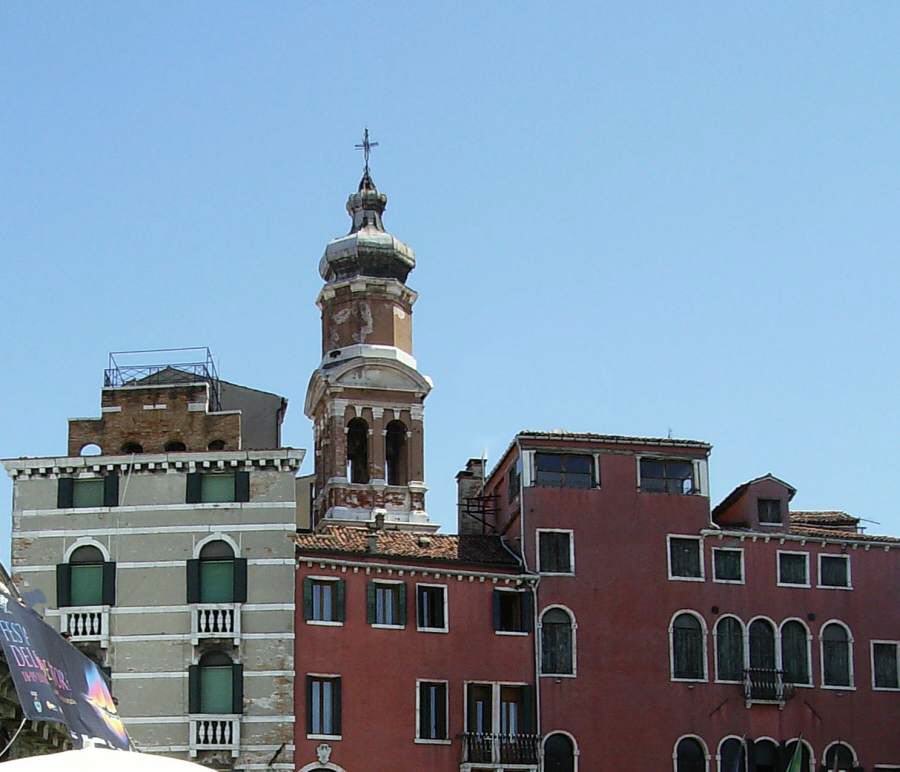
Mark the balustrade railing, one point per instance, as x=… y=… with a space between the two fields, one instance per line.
x=216 y=620
x=763 y=684
x=85 y=624
x=480 y=748
x=215 y=733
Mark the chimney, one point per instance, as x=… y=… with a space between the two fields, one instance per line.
x=468 y=486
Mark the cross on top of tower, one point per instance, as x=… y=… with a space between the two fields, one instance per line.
x=366 y=146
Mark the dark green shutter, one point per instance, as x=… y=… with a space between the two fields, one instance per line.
x=111 y=490
x=193 y=581
x=525 y=598
x=63 y=583
x=336 y=701
x=307 y=598
x=309 y=710
x=528 y=722
x=442 y=712
x=194 y=689
x=339 y=601
x=370 y=602
x=497 y=615
x=470 y=706
x=423 y=711
x=65 y=493
x=242 y=486
x=751 y=757
x=237 y=688
x=420 y=606
x=109 y=584
x=401 y=602
x=193 y=489
x=240 y=580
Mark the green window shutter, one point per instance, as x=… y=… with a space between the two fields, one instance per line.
x=336 y=702
x=528 y=722
x=109 y=584
x=193 y=581
x=111 y=490
x=401 y=603
x=63 y=582
x=242 y=486
x=193 y=489
x=65 y=493
x=240 y=580
x=370 y=602
x=237 y=688
x=309 y=710
x=339 y=601
x=193 y=689
x=217 y=581
x=442 y=712
x=525 y=598
x=423 y=711
x=86 y=585
x=497 y=614
x=307 y=597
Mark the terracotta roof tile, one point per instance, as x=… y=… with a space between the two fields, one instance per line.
x=838 y=533
x=823 y=518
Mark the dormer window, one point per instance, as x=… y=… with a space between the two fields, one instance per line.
x=769 y=511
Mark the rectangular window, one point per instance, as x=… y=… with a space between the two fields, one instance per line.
x=885 y=671
x=512 y=611
x=511 y=713
x=432 y=710
x=88 y=493
x=728 y=565
x=216 y=685
x=431 y=602
x=564 y=470
x=386 y=603
x=323 y=600
x=323 y=706
x=87 y=585
x=834 y=571
x=217 y=487
x=555 y=552
x=685 y=558
x=793 y=569
x=83 y=492
x=217 y=581
x=769 y=511
x=667 y=476
x=479 y=712
x=514 y=480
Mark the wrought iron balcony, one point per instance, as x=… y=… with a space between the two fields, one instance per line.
x=481 y=748
x=85 y=624
x=215 y=733
x=763 y=684
x=216 y=620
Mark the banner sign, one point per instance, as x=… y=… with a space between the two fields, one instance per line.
x=54 y=681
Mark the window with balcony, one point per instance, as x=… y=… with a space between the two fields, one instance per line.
x=217 y=576
x=83 y=492
x=690 y=755
x=685 y=558
x=386 y=604
x=557 y=642
x=86 y=580
x=556 y=552
x=793 y=569
x=216 y=685
x=564 y=470
x=217 y=487
x=769 y=511
x=729 y=649
x=834 y=571
x=659 y=475
x=688 y=648
x=431 y=701
x=500 y=725
x=431 y=607
x=795 y=653
x=886 y=664
x=512 y=611
x=323 y=706
x=837 y=656
x=728 y=565
x=323 y=600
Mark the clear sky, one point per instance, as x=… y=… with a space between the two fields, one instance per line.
x=631 y=218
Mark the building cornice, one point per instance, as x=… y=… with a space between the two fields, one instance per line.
x=860 y=542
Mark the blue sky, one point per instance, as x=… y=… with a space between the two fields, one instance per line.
x=632 y=218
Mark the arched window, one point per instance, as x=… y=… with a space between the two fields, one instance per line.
x=559 y=753
x=86 y=577
x=765 y=756
x=729 y=649
x=762 y=645
x=215 y=685
x=688 y=655
x=843 y=754
x=217 y=573
x=358 y=451
x=175 y=446
x=806 y=757
x=132 y=447
x=795 y=652
x=557 y=642
x=732 y=755
x=216 y=445
x=395 y=453
x=836 y=656
x=91 y=449
x=690 y=756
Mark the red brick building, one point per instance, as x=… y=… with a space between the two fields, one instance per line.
x=595 y=611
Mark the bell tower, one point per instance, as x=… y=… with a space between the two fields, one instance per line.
x=366 y=398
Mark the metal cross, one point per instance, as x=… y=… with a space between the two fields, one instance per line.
x=366 y=147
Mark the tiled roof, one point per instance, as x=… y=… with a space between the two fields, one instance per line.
x=823 y=518
x=838 y=533
x=482 y=550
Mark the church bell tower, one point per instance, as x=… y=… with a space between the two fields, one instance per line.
x=366 y=398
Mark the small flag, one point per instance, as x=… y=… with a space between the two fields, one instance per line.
x=796 y=764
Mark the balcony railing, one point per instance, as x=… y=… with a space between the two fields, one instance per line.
x=501 y=748
x=86 y=624
x=763 y=684
x=215 y=733
x=216 y=620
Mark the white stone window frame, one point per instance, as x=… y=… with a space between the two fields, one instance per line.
x=852 y=751
x=495 y=706
x=423 y=740
x=446 y=592
x=529 y=465
x=573 y=626
x=86 y=541
x=831 y=555
x=704 y=632
x=331 y=580
x=699 y=476
x=809 y=659
x=778 y=581
x=537 y=545
x=698 y=738
x=699 y=539
x=896 y=645
x=743 y=578
x=217 y=536
x=576 y=752
x=725 y=739
x=518 y=633
x=379 y=625
x=852 y=669
x=715 y=638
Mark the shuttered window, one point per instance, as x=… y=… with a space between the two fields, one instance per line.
x=687 y=648
x=728 y=565
x=795 y=653
x=432 y=710
x=834 y=570
x=217 y=487
x=557 y=643
x=430 y=607
x=836 y=656
x=323 y=600
x=74 y=493
x=793 y=568
x=555 y=552
x=215 y=685
x=885 y=660
x=386 y=603
x=729 y=649
x=512 y=611
x=685 y=558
